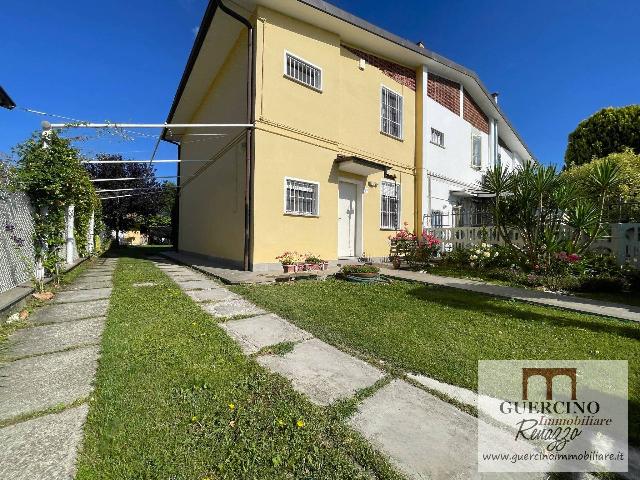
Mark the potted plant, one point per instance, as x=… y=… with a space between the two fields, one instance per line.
x=313 y=262
x=361 y=271
x=289 y=261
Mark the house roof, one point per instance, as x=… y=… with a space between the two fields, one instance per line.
x=359 y=32
x=5 y=100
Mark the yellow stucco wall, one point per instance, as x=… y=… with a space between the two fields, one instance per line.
x=212 y=203
x=300 y=133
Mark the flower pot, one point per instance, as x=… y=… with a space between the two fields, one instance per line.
x=312 y=266
x=289 y=268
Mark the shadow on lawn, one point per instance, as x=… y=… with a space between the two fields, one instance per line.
x=471 y=301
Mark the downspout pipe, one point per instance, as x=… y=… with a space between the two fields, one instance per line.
x=249 y=164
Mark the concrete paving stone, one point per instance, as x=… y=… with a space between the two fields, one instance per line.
x=55 y=337
x=462 y=395
x=188 y=277
x=63 y=312
x=88 y=285
x=322 y=372
x=44 y=447
x=37 y=383
x=232 y=308
x=85 y=280
x=255 y=333
x=424 y=436
x=197 y=284
x=82 y=295
x=214 y=295
x=95 y=278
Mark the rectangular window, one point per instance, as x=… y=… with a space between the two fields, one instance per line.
x=303 y=72
x=437 y=137
x=476 y=152
x=301 y=198
x=436 y=219
x=390 y=206
x=391 y=113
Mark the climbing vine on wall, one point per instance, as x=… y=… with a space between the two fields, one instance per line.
x=53 y=178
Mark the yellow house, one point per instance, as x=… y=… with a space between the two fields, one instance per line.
x=333 y=160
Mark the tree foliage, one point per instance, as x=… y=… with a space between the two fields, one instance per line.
x=149 y=204
x=54 y=178
x=610 y=130
x=545 y=212
x=623 y=202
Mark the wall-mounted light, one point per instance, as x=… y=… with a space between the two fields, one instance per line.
x=372 y=184
x=362 y=63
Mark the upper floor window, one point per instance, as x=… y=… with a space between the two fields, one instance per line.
x=389 y=205
x=476 y=151
x=437 y=137
x=301 y=198
x=303 y=72
x=499 y=161
x=391 y=113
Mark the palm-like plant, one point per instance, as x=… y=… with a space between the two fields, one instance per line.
x=545 y=211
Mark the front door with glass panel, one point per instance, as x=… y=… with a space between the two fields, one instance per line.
x=347 y=208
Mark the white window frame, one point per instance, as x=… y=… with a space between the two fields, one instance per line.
x=473 y=156
x=306 y=62
x=317 y=199
x=400 y=109
x=435 y=131
x=398 y=187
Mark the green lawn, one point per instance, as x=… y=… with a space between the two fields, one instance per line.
x=475 y=274
x=176 y=399
x=443 y=332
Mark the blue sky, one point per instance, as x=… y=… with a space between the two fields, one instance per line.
x=553 y=62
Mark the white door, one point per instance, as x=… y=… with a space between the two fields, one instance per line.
x=348 y=193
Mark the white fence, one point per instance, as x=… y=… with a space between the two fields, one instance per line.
x=623 y=242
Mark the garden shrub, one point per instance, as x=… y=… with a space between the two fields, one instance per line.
x=351 y=269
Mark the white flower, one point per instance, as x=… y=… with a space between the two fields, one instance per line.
x=473 y=257
x=484 y=245
x=496 y=254
x=487 y=254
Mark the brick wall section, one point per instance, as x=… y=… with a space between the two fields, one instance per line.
x=403 y=75
x=474 y=115
x=445 y=92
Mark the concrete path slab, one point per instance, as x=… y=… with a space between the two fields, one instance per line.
x=187 y=277
x=82 y=295
x=579 y=304
x=42 y=382
x=88 y=285
x=322 y=372
x=96 y=278
x=424 y=436
x=63 y=312
x=55 y=337
x=42 y=448
x=255 y=333
x=214 y=295
x=460 y=394
x=197 y=285
x=232 y=308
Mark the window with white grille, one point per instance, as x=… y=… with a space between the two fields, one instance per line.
x=437 y=137
x=391 y=113
x=301 y=198
x=390 y=206
x=303 y=72
x=476 y=151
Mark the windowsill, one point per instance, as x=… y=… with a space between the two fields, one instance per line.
x=438 y=145
x=295 y=80
x=476 y=167
x=389 y=229
x=399 y=139
x=303 y=215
